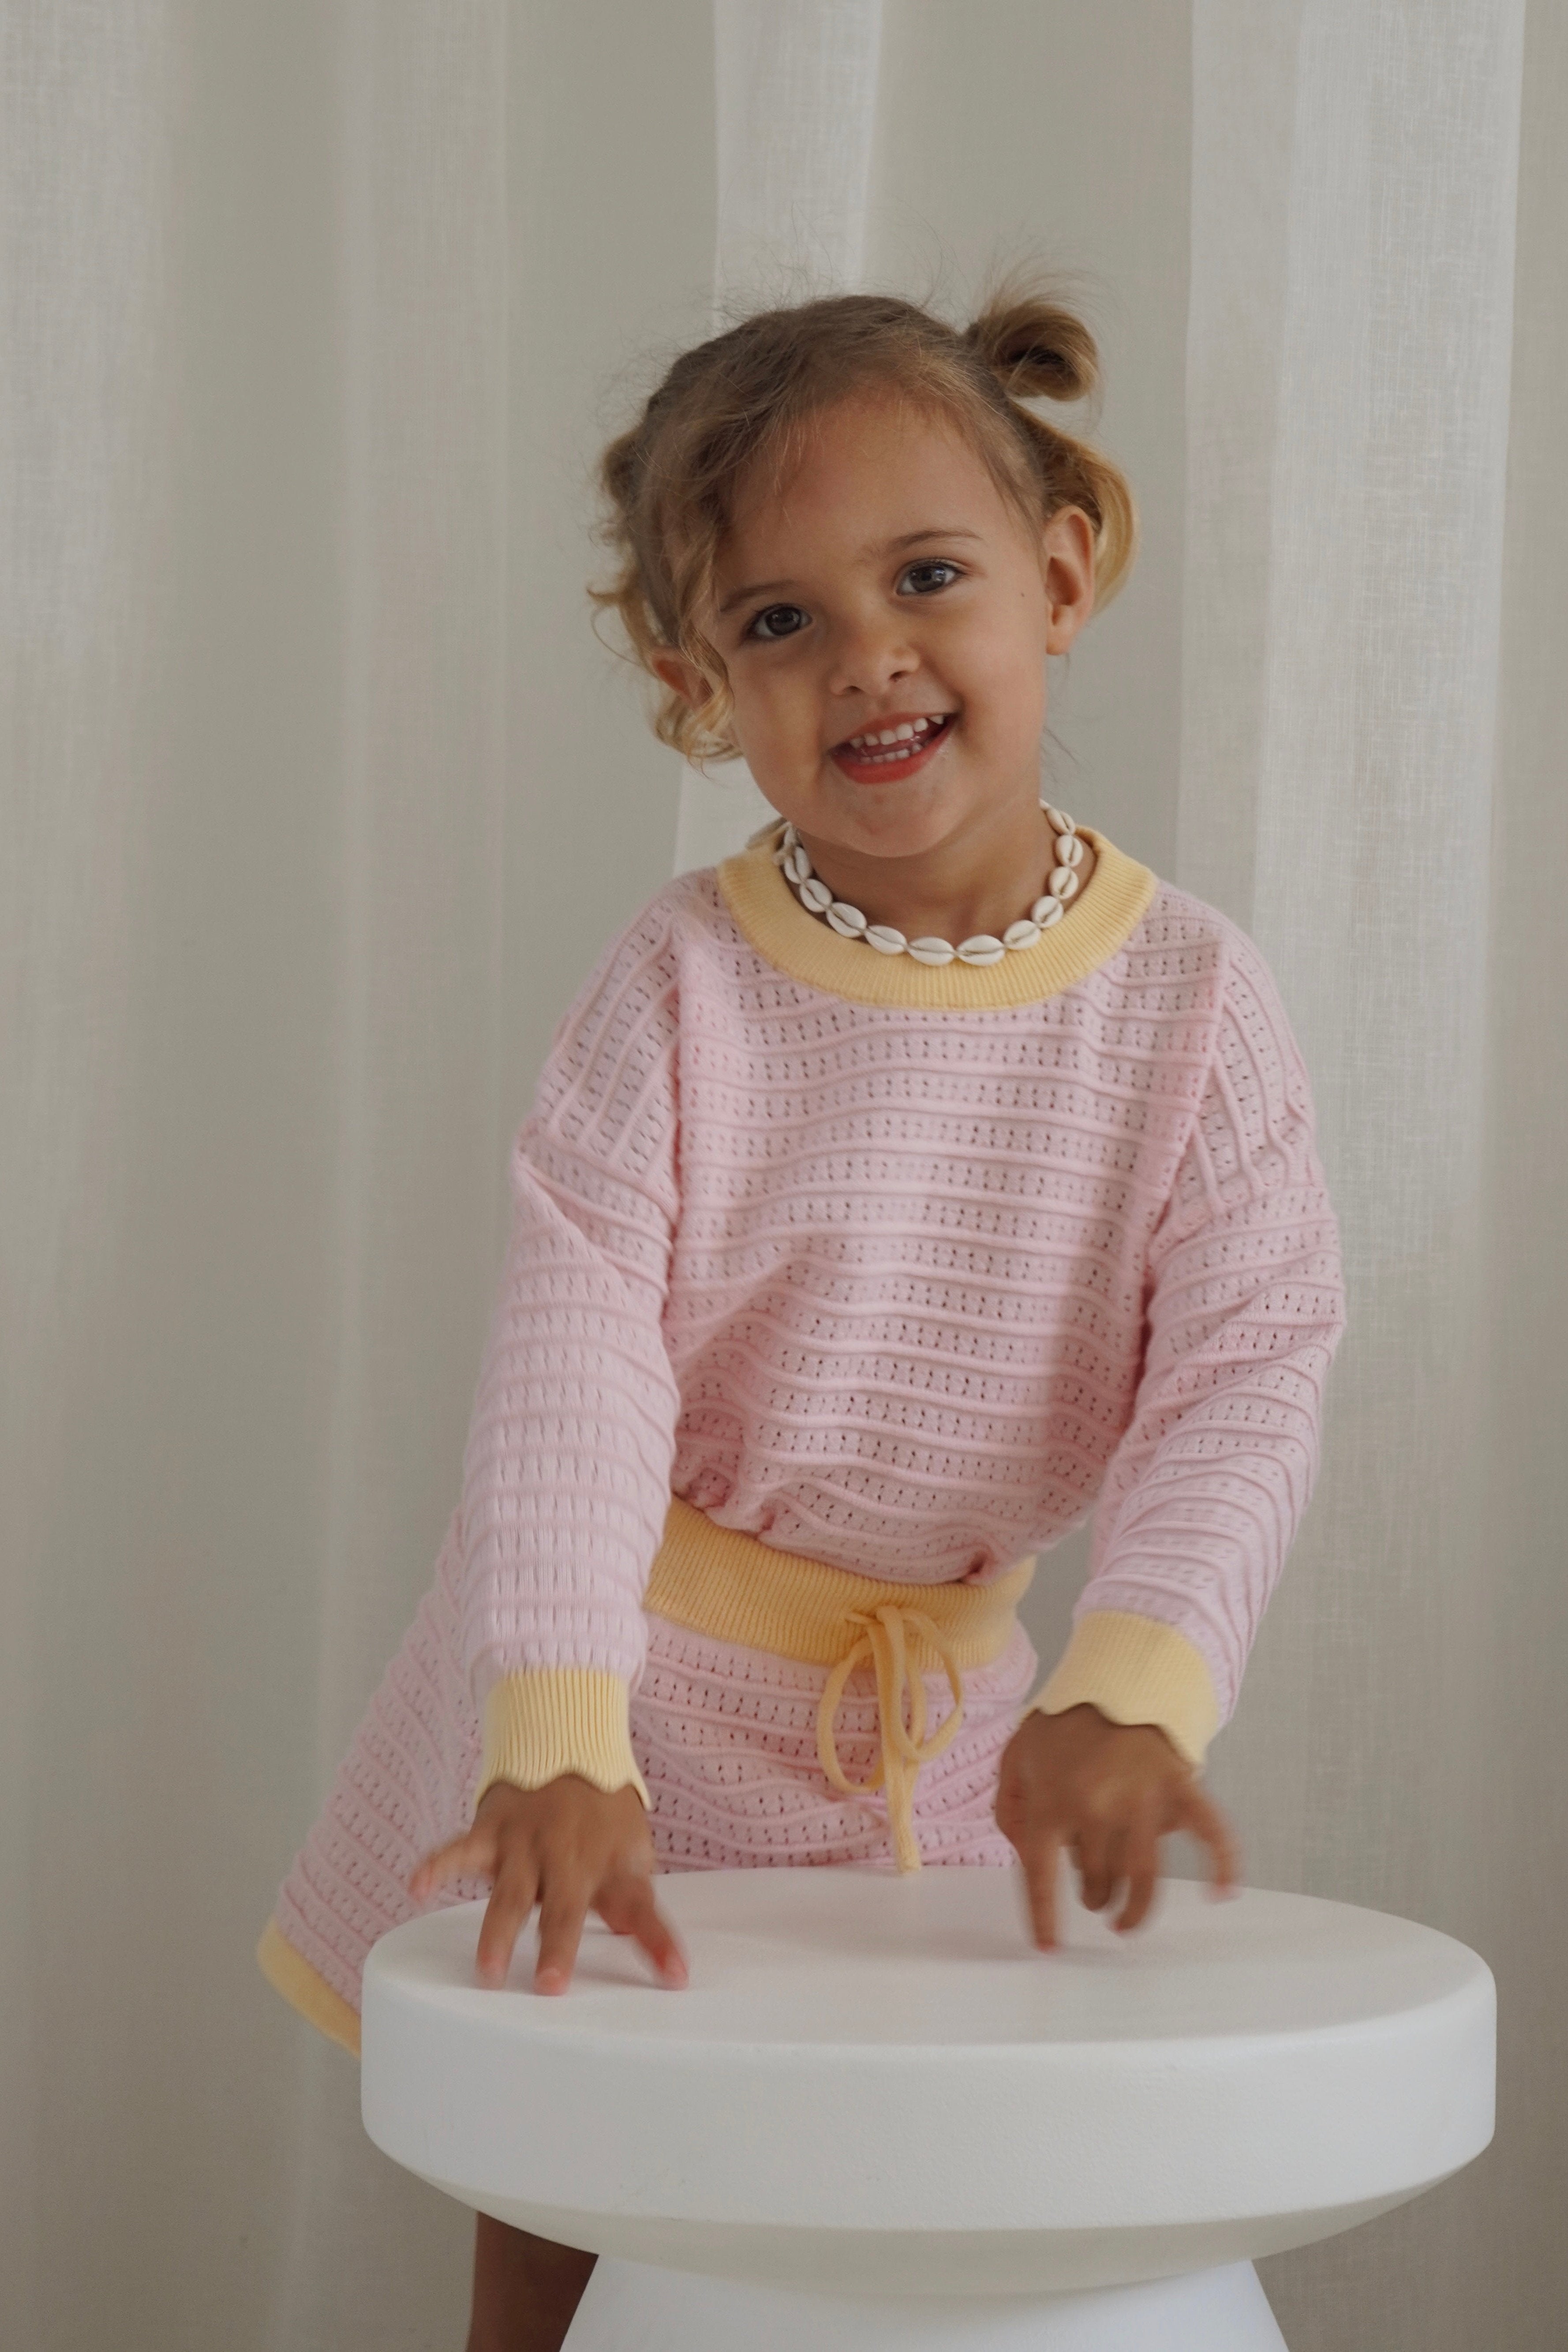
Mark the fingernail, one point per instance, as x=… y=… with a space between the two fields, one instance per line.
x=550 y=1980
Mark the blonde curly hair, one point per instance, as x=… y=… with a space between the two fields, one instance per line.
x=669 y=483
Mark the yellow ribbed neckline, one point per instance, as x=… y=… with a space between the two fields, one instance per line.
x=1099 y=921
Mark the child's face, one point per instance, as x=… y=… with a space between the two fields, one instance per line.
x=888 y=583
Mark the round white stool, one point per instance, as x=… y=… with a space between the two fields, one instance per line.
x=878 y=2117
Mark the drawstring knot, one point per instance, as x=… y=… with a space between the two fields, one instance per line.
x=883 y=1643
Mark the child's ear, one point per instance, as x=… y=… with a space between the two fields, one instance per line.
x=1068 y=552
x=682 y=677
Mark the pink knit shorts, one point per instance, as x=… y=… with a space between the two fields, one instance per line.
x=724 y=1737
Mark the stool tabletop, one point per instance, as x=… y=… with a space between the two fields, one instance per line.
x=865 y=2054
x=941 y=1962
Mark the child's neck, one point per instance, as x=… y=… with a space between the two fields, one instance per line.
x=980 y=883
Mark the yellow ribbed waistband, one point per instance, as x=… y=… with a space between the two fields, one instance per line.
x=716 y=1580
x=731 y=1586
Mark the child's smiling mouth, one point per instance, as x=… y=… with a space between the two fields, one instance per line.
x=894 y=749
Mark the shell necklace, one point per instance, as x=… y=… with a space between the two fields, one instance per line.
x=1061 y=883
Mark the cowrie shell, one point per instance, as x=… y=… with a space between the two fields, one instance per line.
x=845 y=920
x=983 y=948
x=1046 y=911
x=885 y=939
x=817 y=896
x=932 y=950
x=1061 y=882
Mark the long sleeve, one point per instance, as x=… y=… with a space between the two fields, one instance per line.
x=566 y=1470
x=1245 y=1306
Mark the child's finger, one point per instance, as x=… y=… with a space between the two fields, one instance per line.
x=1142 y=1866
x=1094 y=1878
x=470 y=1857
x=562 y=1913
x=1041 y=1857
x=628 y=1909
x=1206 y=1822
x=506 y=1915
x=1097 y=1857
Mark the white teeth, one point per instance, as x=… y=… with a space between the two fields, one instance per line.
x=894 y=741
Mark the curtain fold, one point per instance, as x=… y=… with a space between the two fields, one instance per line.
x=422 y=525
x=795 y=115
x=86 y=466
x=794 y=108
x=1354 y=189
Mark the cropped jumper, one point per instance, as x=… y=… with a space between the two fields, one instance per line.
x=894 y=1273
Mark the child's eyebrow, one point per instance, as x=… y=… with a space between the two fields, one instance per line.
x=937 y=531
x=758 y=588
x=883 y=547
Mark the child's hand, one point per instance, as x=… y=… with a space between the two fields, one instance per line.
x=1107 y=1792
x=572 y=1850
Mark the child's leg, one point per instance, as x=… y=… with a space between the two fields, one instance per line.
x=526 y=2290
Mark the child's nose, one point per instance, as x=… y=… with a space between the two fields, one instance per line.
x=870 y=655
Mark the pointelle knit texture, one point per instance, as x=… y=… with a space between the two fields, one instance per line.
x=902 y=1270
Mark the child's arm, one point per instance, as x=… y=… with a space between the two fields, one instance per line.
x=1202 y=1498
x=566 y=1471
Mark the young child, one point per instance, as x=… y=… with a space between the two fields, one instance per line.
x=893 y=1193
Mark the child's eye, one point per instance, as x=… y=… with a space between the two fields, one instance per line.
x=777 y=621
x=936 y=572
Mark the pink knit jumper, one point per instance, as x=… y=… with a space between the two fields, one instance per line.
x=898 y=1267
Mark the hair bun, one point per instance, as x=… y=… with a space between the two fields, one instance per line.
x=1037 y=350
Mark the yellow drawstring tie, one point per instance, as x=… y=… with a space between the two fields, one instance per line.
x=883 y=1645
x=720 y=1582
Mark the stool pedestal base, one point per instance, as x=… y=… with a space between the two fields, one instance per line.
x=631 y=2307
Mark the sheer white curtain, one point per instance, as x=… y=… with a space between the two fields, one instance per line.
x=319 y=799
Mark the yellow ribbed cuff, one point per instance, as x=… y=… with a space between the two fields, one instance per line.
x=1135 y=1670
x=553 y=1719
x=289 y=1973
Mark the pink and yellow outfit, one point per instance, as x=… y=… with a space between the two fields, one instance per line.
x=886 y=1274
